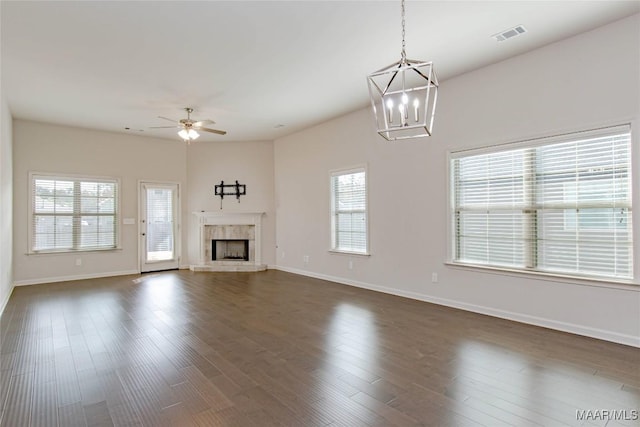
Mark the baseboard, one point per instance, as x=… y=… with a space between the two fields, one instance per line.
x=3 y=305
x=601 y=334
x=74 y=277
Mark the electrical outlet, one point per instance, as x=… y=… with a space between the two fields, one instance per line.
x=434 y=277
x=305 y=258
x=78 y=262
x=350 y=265
x=282 y=255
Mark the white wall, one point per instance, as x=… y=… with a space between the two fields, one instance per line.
x=250 y=163
x=6 y=204
x=40 y=147
x=580 y=83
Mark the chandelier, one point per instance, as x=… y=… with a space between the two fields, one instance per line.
x=403 y=96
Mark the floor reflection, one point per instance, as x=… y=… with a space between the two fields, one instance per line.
x=351 y=339
x=351 y=356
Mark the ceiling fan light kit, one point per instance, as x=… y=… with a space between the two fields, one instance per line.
x=188 y=135
x=403 y=96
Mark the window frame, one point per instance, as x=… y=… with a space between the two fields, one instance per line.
x=332 y=212
x=76 y=178
x=533 y=143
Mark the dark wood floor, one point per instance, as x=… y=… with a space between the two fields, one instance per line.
x=272 y=348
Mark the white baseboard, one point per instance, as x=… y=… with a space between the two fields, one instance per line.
x=74 y=277
x=587 y=331
x=3 y=304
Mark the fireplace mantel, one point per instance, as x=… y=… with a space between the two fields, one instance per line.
x=205 y=220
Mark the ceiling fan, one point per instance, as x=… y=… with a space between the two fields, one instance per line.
x=188 y=127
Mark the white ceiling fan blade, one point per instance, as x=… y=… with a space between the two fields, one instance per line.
x=219 y=132
x=201 y=123
x=166 y=118
x=164 y=127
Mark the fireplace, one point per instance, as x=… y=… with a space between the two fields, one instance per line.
x=230 y=249
x=227 y=241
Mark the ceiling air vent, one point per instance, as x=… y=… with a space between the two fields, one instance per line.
x=510 y=33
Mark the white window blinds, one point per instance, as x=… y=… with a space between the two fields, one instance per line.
x=559 y=205
x=349 y=211
x=73 y=214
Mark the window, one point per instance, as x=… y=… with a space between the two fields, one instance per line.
x=349 y=211
x=73 y=214
x=557 y=205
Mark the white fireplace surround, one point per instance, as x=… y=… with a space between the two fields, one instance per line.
x=209 y=223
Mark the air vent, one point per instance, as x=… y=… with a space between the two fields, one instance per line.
x=510 y=33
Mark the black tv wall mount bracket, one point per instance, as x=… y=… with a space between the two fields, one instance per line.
x=236 y=189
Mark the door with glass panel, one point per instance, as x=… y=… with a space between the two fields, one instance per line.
x=158 y=227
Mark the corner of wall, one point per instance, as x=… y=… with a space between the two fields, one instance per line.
x=6 y=203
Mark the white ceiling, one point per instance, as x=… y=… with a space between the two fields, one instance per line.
x=250 y=65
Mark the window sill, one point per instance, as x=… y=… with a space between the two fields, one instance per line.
x=338 y=252
x=603 y=282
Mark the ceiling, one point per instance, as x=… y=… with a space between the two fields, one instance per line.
x=251 y=66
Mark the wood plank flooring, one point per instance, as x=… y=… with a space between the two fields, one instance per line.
x=276 y=349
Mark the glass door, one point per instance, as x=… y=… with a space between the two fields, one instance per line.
x=158 y=226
